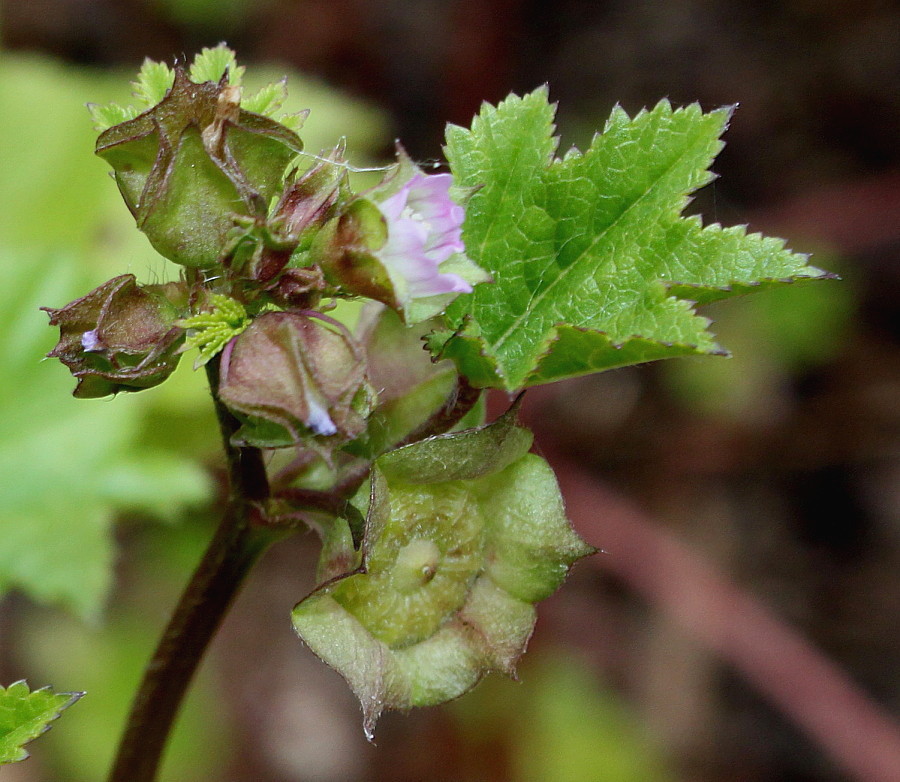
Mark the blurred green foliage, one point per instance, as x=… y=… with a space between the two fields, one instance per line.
x=775 y=338
x=67 y=467
x=562 y=724
x=107 y=662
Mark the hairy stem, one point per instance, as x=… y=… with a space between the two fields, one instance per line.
x=237 y=544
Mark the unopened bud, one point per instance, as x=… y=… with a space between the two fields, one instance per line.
x=120 y=336
x=294 y=377
x=195 y=161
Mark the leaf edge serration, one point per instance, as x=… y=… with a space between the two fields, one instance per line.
x=477 y=357
x=47 y=717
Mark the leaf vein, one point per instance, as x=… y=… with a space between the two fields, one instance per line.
x=565 y=273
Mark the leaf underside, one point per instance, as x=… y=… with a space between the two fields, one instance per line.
x=593 y=265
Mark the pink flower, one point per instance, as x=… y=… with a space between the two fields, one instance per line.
x=400 y=243
x=424 y=230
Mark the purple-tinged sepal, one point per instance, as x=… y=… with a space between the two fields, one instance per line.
x=295 y=378
x=312 y=198
x=121 y=336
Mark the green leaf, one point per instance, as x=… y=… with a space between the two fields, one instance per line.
x=212 y=63
x=268 y=99
x=464 y=532
x=105 y=116
x=593 y=265
x=25 y=715
x=153 y=81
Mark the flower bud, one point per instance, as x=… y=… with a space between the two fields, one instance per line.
x=295 y=377
x=298 y=288
x=120 y=336
x=261 y=250
x=309 y=200
x=191 y=163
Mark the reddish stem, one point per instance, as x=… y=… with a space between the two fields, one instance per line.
x=239 y=541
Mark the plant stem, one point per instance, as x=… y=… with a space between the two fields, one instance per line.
x=237 y=544
x=464 y=397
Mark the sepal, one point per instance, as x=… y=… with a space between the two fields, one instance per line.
x=464 y=532
x=295 y=378
x=191 y=163
x=412 y=389
x=121 y=336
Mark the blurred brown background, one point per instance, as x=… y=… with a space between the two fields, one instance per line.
x=779 y=469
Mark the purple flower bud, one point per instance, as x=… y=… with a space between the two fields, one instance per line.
x=90 y=341
x=308 y=201
x=295 y=377
x=120 y=336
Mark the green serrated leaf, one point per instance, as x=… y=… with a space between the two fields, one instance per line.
x=593 y=265
x=150 y=86
x=25 y=715
x=153 y=81
x=110 y=114
x=464 y=533
x=212 y=63
x=211 y=331
x=267 y=100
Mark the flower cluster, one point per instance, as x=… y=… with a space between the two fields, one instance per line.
x=216 y=183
